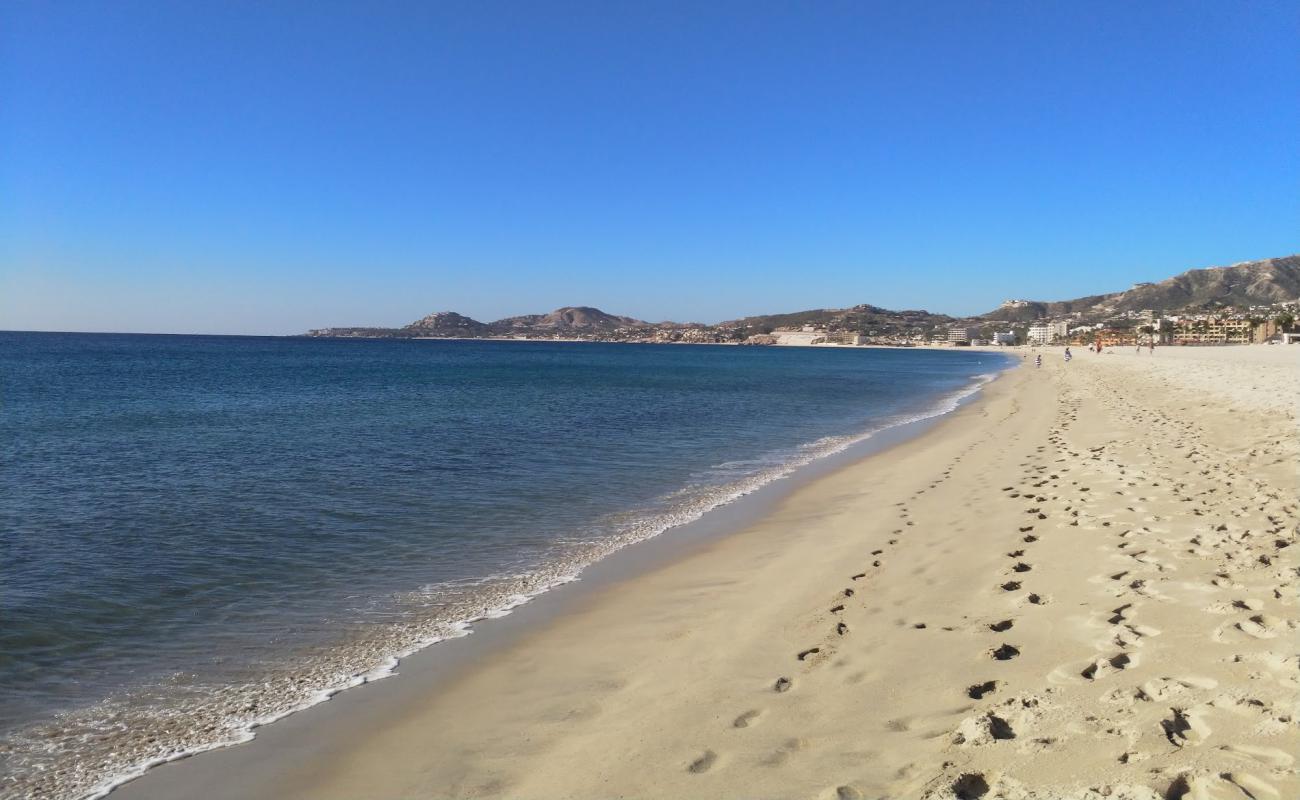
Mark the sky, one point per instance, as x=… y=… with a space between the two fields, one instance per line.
x=268 y=167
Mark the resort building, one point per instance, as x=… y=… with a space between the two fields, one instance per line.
x=1004 y=338
x=961 y=333
x=1048 y=332
x=1114 y=337
x=1221 y=330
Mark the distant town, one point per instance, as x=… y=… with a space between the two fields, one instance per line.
x=1250 y=302
x=1251 y=325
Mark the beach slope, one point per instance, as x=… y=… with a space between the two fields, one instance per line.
x=1083 y=584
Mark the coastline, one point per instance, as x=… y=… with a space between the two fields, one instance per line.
x=720 y=518
x=783 y=658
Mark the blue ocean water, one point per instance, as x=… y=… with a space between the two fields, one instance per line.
x=200 y=534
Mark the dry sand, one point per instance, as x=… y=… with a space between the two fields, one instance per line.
x=1082 y=585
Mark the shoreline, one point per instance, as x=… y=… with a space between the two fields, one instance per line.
x=542 y=606
x=890 y=628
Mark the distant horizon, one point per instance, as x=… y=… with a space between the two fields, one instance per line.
x=617 y=312
x=255 y=170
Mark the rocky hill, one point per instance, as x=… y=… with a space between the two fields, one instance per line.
x=577 y=321
x=446 y=323
x=1272 y=280
x=860 y=318
x=569 y=318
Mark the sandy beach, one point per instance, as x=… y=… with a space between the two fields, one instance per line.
x=1083 y=584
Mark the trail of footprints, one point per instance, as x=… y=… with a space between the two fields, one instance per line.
x=1058 y=482
x=818 y=653
x=1148 y=557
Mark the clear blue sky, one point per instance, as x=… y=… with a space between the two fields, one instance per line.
x=266 y=167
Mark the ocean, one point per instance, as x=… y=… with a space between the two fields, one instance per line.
x=202 y=534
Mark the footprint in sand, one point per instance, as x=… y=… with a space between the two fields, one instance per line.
x=979 y=690
x=1185 y=727
x=1210 y=786
x=784 y=752
x=982 y=729
x=1004 y=625
x=1005 y=652
x=1132 y=635
x=1270 y=757
x=782 y=684
x=704 y=762
x=1121 y=614
x=747 y=719
x=1105 y=666
x=970 y=787
x=1265 y=626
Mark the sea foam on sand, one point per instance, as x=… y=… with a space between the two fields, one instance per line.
x=1081 y=585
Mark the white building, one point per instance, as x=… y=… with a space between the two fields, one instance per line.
x=1048 y=332
x=1004 y=338
x=961 y=333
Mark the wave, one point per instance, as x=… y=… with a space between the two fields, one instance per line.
x=109 y=754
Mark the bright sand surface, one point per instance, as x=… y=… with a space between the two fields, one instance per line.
x=1081 y=585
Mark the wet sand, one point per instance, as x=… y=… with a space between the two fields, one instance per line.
x=1083 y=584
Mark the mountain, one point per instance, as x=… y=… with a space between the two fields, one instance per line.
x=576 y=321
x=569 y=318
x=582 y=322
x=1272 y=280
x=446 y=323
x=860 y=318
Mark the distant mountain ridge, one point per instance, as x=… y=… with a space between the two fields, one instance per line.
x=588 y=322
x=1264 y=282
x=575 y=320
x=856 y=318
x=570 y=318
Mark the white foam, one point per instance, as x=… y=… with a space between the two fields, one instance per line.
x=640 y=529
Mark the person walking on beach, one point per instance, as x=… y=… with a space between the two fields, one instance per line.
x=1038 y=360
x=1067 y=355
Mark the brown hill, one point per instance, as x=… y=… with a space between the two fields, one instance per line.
x=446 y=323
x=1271 y=280
x=861 y=318
x=568 y=318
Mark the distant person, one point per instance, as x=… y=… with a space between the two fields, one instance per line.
x=1067 y=355
x=1151 y=347
x=1038 y=360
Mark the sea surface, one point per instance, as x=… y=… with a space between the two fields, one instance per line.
x=200 y=534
